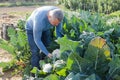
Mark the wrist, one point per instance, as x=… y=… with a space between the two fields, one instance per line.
x=49 y=55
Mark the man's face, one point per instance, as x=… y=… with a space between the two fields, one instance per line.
x=54 y=21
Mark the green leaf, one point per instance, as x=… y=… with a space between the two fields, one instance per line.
x=62 y=72
x=116 y=77
x=98 y=52
x=114 y=66
x=66 y=44
x=42 y=62
x=97 y=48
x=34 y=70
x=77 y=76
x=7 y=65
x=76 y=63
x=6 y=46
x=87 y=37
x=72 y=33
x=65 y=27
x=22 y=39
x=91 y=77
x=37 y=72
x=51 y=77
x=83 y=26
x=13 y=36
x=70 y=76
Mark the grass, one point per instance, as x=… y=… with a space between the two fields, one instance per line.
x=8 y=4
x=23 y=13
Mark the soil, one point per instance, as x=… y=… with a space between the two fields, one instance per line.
x=11 y=15
x=6 y=57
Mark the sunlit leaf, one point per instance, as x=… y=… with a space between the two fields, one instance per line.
x=66 y=44
x=51 y=77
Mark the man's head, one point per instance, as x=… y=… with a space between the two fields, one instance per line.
x=55 y=16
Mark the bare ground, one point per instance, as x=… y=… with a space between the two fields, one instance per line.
x=11 y=15
x=6 y=57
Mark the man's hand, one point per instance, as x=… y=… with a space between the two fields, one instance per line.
x=49 y=55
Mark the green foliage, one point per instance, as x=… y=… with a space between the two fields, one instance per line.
x=18 y=46
x=97 y=48
x=51 y=77
x=21 y=24
x=105 y=6
x=114 y=67
x=95 y=21
x=98 y=52
x=18 y=39
x=92 y=77
x=22 y=3
x=62 y=72
x=77 y=64
x=6 y=46
x=73 y=76
x=114 y=14
x=118 y=46
x=8 y=65
x=79 y=76
x=12 y=35
x=68 y=44
x=88 y=50
x=86 y=37
x=73 y=27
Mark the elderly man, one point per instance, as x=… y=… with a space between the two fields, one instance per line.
x=38 y=30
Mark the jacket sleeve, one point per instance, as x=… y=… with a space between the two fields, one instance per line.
x=37 y=34
x=59 y=30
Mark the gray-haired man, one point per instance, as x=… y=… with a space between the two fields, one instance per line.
x=38 y=30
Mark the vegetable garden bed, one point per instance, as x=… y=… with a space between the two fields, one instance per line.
x=89 y=50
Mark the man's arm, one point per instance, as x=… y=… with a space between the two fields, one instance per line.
x=59 y=30
x=37 y=33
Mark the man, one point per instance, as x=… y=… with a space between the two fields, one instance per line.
x=38 y=30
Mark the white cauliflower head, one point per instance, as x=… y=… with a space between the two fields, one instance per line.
x=47 y=68
x=59 y=63
x=56 y=53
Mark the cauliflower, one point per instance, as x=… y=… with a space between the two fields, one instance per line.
x=47 y=68
x=59 y=64
x=56 y=53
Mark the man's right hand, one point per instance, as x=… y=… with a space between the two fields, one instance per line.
x=49 y=55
